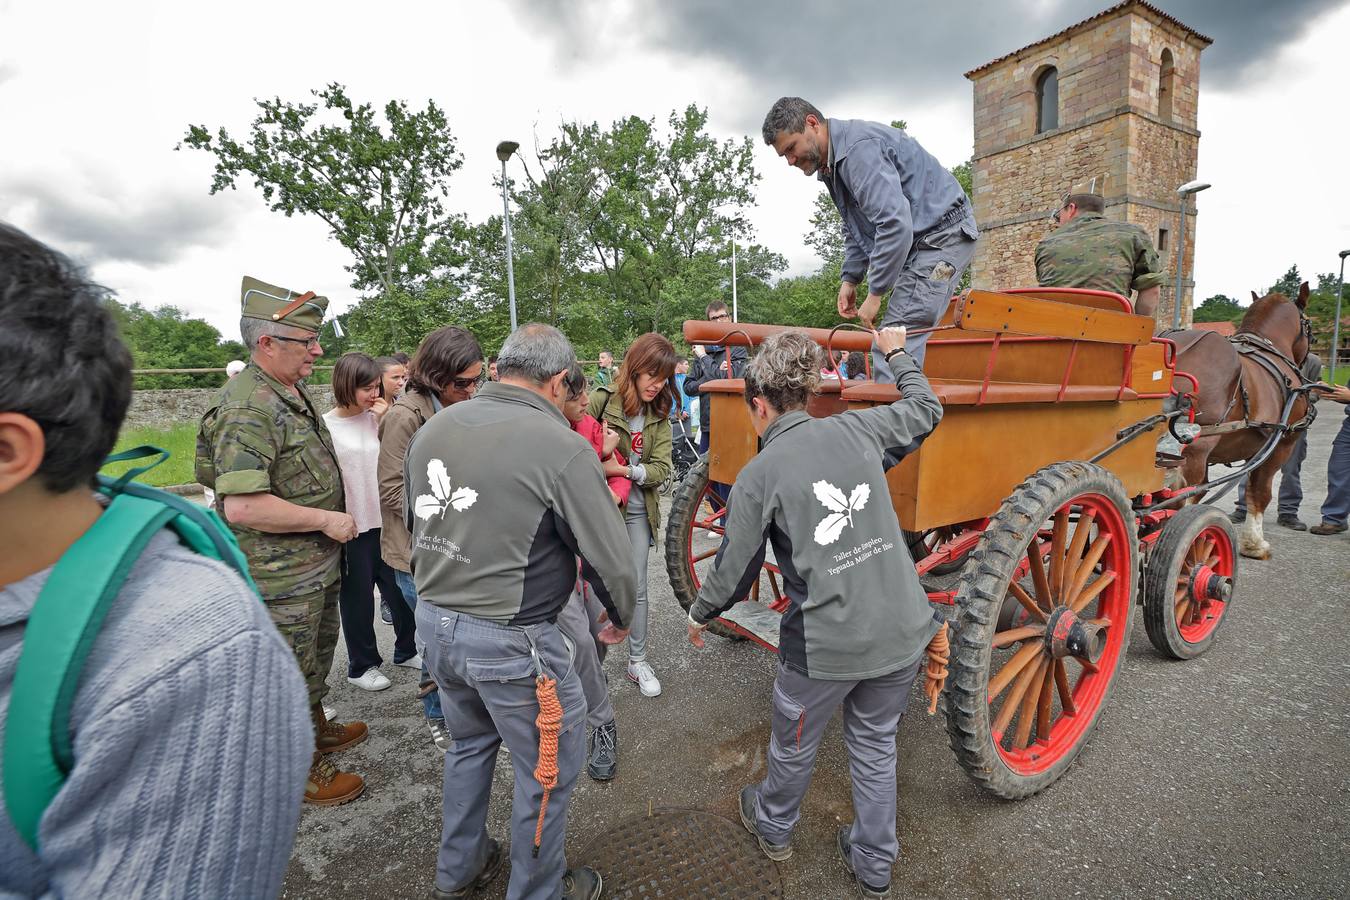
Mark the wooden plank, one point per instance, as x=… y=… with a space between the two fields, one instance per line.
x=734 y=442
x=1015 y=314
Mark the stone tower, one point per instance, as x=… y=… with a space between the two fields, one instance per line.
x=1115 y=94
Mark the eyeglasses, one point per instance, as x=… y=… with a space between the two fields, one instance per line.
x=463 y=384
x=722 y=317
x=310 y=342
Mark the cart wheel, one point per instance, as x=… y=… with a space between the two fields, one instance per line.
x=922 y=543
x=1024 y=696
x=1189 y=580
x=693 y=534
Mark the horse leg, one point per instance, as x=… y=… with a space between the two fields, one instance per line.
x=1251 y=538
x=1195 y=460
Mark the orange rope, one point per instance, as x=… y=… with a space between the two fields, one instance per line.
x=549 y=723
x=935 y=676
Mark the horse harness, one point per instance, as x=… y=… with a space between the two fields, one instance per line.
x=1265 y=354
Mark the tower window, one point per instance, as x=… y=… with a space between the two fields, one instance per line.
x=1162 y=240
x=1047 y=100
x=1166 y=86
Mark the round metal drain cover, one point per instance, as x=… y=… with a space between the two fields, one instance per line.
x=682 y=853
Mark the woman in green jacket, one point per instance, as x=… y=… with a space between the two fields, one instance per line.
x=637 y=406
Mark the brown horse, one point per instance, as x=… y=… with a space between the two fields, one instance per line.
x=1244 y=384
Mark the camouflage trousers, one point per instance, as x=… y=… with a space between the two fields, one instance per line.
x=309 y=623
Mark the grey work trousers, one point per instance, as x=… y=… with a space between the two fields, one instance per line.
x=1291 y=484
x=487 y=676
x=802 y=707
x=579 y=620
x=936 y=261
x=640 y=537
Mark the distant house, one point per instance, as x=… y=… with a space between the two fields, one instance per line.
x=1227 y=329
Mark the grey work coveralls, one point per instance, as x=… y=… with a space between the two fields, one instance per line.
x=908 y=225
x=858 y=620
x=502 y=497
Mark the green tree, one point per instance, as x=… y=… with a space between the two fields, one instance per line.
x=165 y=338
x=381 y=188
x=1219 y=308
x=1288 y=283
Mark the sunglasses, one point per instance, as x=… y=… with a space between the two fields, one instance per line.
x=720 y=317
x=463 y=384
x=310 y=343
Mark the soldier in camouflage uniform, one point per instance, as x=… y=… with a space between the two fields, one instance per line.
x=264 y=449
x=1090 y=251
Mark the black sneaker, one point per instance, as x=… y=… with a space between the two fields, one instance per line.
x=775 y=852
x=603 y=761
x=385 y=615
x=491 y=867
x=1238 y=516
x=582 y=883
x=846 y=852
x=1293 y=523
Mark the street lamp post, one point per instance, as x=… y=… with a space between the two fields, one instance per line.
x=504 y=151
x=1184 y=192
x=735 y=307
x=1336 y=325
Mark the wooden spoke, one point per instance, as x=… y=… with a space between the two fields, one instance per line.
x=1026 y=600
x=1101 y=622
x=754 y=591
x=1011 y=669
x=1013 y=635
x=1014 y=698
x=1093 y=590
x=1182 y=608
x=1062 y=684
x=702 y=556
x=1027 y=715
x=1043 y=705
x=1037 y=566
x=1074 y=554
x=773 y=583
x=1085 y=568
x=1088 y=665
x=1058 y=538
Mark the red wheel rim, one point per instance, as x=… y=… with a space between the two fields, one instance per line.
x=710 y=517
x=1197 y=617
x=1040 y=706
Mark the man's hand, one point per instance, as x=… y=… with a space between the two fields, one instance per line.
x=848 y=300
x=339 y=526
x=611 y=635
x=695 y=632
x=699 y=351
x=1339 y=393
x=868 y=314
x=610 y=441
x=890 y=338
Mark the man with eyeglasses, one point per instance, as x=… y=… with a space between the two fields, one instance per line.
x=712 y=363
x=265 y=451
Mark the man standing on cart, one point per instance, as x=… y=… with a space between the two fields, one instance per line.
x=858 y=621
x=908 y=226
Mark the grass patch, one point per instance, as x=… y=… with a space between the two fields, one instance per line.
x=180 y=441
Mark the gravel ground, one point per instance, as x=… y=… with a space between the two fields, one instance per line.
x=1220 y=777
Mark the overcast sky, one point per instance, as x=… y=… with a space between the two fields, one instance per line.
x=94 y=97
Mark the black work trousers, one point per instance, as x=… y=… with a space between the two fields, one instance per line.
x=362 y=571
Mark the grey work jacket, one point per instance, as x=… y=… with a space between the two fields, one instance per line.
x=817 y=492
x=501 y=497
x=888 y=190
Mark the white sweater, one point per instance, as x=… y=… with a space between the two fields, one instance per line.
x=357 y=442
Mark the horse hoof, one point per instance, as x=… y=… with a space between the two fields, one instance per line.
x=1255 y=552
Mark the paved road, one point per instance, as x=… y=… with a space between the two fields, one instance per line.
x=1221 y=777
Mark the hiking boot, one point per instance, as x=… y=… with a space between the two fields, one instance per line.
x=1293 y=523
x=1328 y=528
x=775 y=852
x=491 y=867
x=603 y=761
x=582 y=883
x=846 y=851
x=440 y=736
x=326 y=786
x=1238 y=516
x=640 y=673
x=330 y=737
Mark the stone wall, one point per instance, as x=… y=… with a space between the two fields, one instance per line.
x=164 y=409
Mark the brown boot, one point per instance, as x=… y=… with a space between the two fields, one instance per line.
x=330 y=737
x=329 y=787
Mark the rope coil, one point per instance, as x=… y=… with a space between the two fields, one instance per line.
x=935 y=673
x=549 y=723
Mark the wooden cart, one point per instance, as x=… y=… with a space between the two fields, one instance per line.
x=1035 y=487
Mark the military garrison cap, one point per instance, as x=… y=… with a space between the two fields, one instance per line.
x=270 y=303
x=1088 y=192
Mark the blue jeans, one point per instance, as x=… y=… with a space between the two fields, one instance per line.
x=431 y=703
x=1336 y=508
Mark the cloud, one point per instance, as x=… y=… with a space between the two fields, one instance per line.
x=8 y=72
x=150 y=228
x=828 y=52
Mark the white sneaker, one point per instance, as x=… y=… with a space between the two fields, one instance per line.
x=412 y=662
x=641 y=674
x=329 y=712
x=371 y=680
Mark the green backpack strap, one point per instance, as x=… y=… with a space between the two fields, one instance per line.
x=62 y=628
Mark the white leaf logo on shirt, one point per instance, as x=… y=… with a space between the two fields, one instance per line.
x=841 y=509
x=443 y=495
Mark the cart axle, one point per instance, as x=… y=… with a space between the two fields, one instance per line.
x=1068 y=635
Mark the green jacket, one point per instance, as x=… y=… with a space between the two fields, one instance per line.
x=1098 y=253
x=258 y=437
x=656 y=445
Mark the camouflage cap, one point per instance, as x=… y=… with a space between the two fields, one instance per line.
x=261 y=300
x=1090 y=189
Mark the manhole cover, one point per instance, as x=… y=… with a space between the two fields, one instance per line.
x=682 y=853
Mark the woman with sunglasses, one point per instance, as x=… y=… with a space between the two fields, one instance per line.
x=637 y=406
x=447 y=368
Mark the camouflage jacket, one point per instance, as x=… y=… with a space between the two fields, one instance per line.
x=1098 y=253
x=258 y=437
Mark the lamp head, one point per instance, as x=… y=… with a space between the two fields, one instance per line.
x=1345 y=253
x=1192 y=187
x=505 y=149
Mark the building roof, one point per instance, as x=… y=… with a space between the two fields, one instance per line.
x=1227 y=329
x=1104 y=14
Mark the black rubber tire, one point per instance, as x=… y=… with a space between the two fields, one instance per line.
x=915 y=540
x=980 y=597
x=1163 y=568
x=683 y=506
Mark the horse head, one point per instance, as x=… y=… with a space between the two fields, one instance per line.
x=1281 y=321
